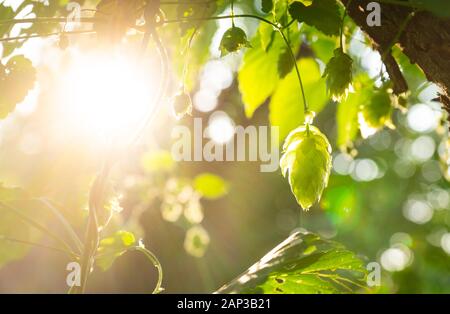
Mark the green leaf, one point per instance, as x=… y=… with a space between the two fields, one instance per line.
x=286 y=108
x=438 y=7
x=210 y=185
x=285 y=63
x=13 y=226
x=113 y=247
x=303 y=263
x=6 y=13
x=266 y=6
x=338 y=73
x=17 y=77
x=266 y=35
x=258 y=75
x=377 y=110
x=198 y=55
x=234 y=39
x=119 y=16
x=322 y=14
x=194 y=9
x=157 y=161
x=347 y=111
x=307 y=163
x=347 y=120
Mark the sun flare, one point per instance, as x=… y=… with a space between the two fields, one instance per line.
x=106 y=97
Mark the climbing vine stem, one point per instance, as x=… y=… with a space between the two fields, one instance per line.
x=341 y=38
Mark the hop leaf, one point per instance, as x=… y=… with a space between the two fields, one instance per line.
x=233 y=40
x=181 y=105
x=377 y=110
x=338 y=73
x=307 y=162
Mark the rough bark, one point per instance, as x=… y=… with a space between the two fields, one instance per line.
x=425 y=40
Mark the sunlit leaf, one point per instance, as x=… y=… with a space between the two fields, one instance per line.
x=266 y=35
x=210 y=185
x=258 y=75
x=307 y=164
x=303 y=263
x=347 y=120
x=113 y=247
x=286 y=108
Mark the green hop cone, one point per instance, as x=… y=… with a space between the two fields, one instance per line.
x=233 y=40
x=307 y=163
x=377 y=110
x=338 y=73
x=181 y=105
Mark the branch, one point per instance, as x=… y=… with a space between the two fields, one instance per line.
x=46 y=35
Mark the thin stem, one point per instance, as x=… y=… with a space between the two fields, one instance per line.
x=297 y=70
x=36 y=225
x=154 y=260
x=46 y=35
x=92 y=235
x=232 y=12
x=49 y=20
x=222 y=17
x=341 y=39
x=70 y=253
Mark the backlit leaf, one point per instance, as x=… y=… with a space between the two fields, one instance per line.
x=303 y=263
x=113 y=247
x=258 y=75
x=286 y=108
